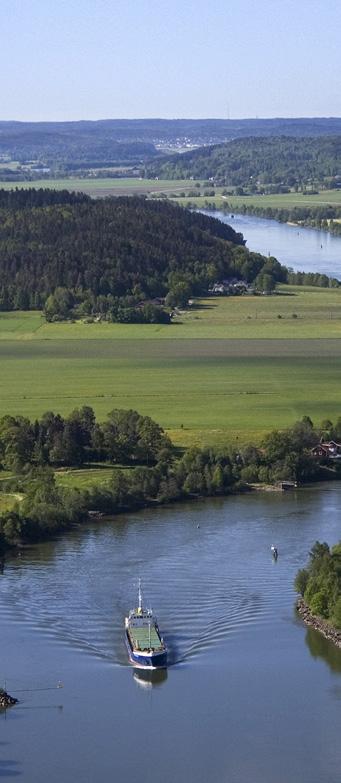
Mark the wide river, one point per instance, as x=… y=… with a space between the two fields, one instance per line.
x=251 y=694
x=302 y=249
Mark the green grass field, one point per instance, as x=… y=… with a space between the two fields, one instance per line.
x=128 y=186
x=8 y=501
x=125 y=186
x=318 y=314
x=229 y=370
x=278 y=200
x=84 y=478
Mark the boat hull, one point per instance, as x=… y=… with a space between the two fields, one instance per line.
x=144 y=660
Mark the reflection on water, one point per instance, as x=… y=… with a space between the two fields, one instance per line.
x=149 y=679
x=319 y=647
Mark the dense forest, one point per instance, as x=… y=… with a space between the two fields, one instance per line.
x=33 y=451
x=253 y=162
x=114 y=256
x=320 y=582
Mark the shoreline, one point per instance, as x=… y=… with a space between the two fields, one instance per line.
x=16 y=547
x=272 y=213
x=327 y=630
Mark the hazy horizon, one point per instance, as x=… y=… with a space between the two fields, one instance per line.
x=156 y=59
x=175 y=119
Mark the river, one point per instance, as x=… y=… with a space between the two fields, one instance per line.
x=302 y=249
x=251 y=693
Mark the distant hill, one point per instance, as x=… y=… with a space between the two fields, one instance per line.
x=67 y=148
x=242 y=162
x=131 y=142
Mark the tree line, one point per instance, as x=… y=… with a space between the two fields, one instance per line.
x=124 y=437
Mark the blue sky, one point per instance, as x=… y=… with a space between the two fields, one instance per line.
x=82 y=59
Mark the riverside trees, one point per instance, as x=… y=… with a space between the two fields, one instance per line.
x=320 y=582
x=157 y=473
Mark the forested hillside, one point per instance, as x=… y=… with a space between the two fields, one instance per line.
x=246 y=162
x=64 y=146
x=98 y=253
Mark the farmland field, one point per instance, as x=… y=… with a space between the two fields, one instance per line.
x=128 y=186
x=229 y=370
x=294 y=313
x=276 y=201
x=106 y=186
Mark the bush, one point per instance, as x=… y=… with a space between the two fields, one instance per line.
x=319 y=604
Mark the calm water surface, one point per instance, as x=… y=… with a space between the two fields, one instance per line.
x=250 y=695
x=300 y=248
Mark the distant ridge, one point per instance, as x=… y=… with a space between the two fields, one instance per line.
x=145 y=129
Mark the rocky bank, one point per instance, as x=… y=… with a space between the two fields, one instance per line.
x=318 y=623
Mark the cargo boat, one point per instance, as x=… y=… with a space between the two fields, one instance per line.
x=146 y=648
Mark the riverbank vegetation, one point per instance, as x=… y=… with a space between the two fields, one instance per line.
x=158 y=473
x=319 y=583
x=280 y=178
x=324 y=216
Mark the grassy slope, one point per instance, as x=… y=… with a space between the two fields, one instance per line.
x=230 y=370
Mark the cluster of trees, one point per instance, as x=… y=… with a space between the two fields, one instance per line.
x=312 y=278
x=113 y=255
x=63 y=304
x=286 y=455
x=124 y=437
x=320 y=582
x=251 y=162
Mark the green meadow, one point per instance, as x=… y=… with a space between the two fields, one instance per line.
x=229 y=369
x=293 y=313
x=277 y=200
x=85 y=478
x=105 y=186
x=128 y=186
